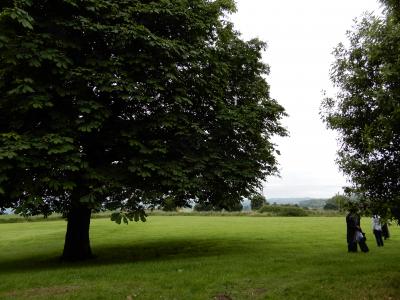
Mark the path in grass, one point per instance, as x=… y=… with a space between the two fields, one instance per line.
x=200 y=258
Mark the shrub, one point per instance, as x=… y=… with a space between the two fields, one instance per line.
x=169 y=204
x=257 y=201
x=203 y=207
x=283 y=210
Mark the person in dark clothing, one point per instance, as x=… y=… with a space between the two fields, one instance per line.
x=354 y=233
x=385 y=231
x=353 y=226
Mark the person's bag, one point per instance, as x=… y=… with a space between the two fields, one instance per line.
x=362 y=243
x=360 y=236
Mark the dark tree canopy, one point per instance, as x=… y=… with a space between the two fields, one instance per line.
x=110 y=104
x=366 y=110
x=257 y=201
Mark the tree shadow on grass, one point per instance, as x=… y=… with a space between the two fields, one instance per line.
x=128 y=253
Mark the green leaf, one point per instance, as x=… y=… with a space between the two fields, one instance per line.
x=143 y=217
x=136 y=216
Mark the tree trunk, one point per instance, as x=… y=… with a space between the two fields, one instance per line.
x=77 y=244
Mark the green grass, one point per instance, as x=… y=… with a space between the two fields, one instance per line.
x=198 y=257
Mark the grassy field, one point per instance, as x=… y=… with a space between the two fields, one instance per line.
x=200 y=257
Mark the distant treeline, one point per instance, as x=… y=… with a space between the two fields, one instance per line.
x=313 y=203
x=337 y=202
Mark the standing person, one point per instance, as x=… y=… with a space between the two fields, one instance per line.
x=377 y=229
x=353 y=226
x=385 y=231
x=354 y=232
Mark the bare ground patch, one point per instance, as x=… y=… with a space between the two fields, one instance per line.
x=257 y=292
x=41 y=292
x=222 y=297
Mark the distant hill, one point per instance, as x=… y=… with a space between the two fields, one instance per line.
x=303 y=202
x=287 y=200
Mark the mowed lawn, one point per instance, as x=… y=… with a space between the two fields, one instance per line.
x=200 y=257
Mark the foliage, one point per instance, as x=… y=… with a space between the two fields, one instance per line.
x=284 y=210
x=257 y=201
x=337 y=202
x=207 y=206
x=121 y=104
x=366 y=110
x=169 y=204
x=203 y=207
x=331 y=205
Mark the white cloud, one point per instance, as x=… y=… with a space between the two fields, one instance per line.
x=301 y=36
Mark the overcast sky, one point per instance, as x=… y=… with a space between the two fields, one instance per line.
x=301 y=36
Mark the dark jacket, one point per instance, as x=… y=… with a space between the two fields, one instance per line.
x=353 y=225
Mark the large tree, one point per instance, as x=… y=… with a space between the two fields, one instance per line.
x=123 y=105
x=366 y=110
